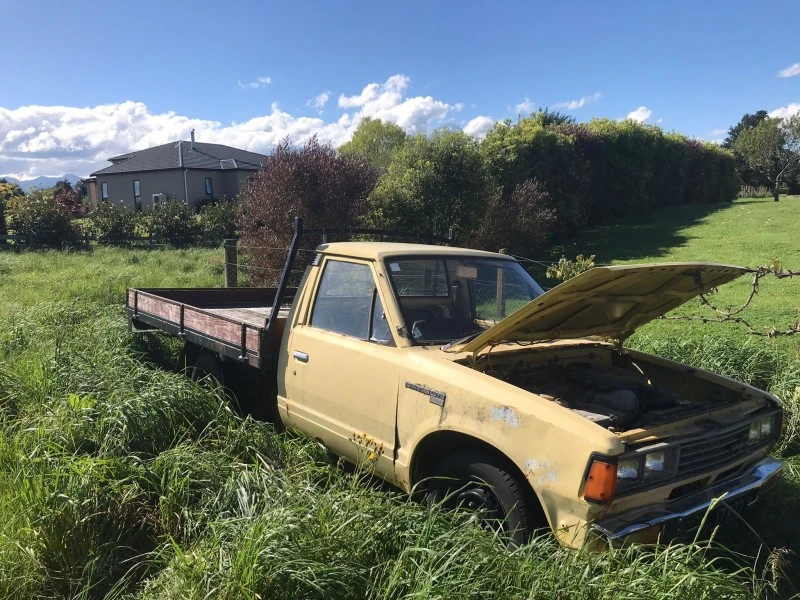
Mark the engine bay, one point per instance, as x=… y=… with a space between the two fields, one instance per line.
x=617 y=394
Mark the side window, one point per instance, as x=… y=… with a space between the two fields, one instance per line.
x=347 y=303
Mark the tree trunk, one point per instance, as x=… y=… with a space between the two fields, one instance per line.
x=775 y=192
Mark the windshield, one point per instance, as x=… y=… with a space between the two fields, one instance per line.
x=447 y=299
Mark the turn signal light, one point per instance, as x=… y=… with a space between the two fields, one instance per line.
x=601 y=481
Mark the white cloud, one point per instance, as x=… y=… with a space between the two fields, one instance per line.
x=258 y=82
x=52 y=140
x=479 y=126
x=525 y=107
x=579 y=103
x=790 y=71
x=320 y=100
x=785 y=111
x=640 y=115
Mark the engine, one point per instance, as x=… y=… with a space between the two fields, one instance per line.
x=616 y=398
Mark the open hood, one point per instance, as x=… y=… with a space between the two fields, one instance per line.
x=609 y=302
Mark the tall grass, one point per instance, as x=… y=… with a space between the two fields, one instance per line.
x=120 y=478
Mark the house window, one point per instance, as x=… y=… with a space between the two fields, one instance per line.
x=104 y=190
x=209 y=188
x=137 y=195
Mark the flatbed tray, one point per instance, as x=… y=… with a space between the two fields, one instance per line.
x=233 y=322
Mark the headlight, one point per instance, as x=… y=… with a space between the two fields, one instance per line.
x=645 y=467
x=628 y=469
x=655 y=464
x=761 y=430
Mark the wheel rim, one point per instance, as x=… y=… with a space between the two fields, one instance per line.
x=485 y=505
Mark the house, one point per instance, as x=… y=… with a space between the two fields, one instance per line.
x=189 y=171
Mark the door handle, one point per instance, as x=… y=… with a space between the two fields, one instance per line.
x=300 y=356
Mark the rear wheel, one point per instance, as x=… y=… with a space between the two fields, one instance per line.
x=478 y=482
x=208 y=368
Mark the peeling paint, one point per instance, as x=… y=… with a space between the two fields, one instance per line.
x=541 y=472
x=505 y=414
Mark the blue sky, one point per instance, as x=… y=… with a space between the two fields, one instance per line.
x=86 y=80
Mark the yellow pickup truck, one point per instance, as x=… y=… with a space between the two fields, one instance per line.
x=456 y=376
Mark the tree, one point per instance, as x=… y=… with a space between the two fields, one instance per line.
x=748 y=121
x=432 y=184
x=62 y=185
x=746 y=174
x=316 y=183
x=377 y=141
x=81 y=189
x=771 y=149
x=8 y=192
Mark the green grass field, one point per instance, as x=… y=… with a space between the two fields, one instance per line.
x=121 y=478
x=750 y=232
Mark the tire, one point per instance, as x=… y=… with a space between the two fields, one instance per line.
x=477 y=481
x=207 y=368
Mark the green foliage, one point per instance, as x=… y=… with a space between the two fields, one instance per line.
x=173 y=222
x=433 y=183
x=377 y=141
x=42 y=219
x=113 y=224
x=771 y=149
x=8 y=192
x=566 y=269
x=218 y=220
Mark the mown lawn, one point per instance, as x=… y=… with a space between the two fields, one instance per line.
x=750 y=232
x=121 y=478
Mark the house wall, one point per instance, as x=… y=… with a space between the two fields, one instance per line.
x=91 y=193
x=226 y=183
x=120 y=186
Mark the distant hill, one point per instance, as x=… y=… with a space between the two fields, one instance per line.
x=41 y=182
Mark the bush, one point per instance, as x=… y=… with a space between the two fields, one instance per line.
x=522 y=222
x=173 y=222
x=432 y=184
x=43 y=220
x=218 y=220
x=8 y=191
x=113 y=224
x=70 y=202
x=314 y=183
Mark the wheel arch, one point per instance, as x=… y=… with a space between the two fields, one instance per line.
x=432 y=448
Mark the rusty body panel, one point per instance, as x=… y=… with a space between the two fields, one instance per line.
x=531 y=386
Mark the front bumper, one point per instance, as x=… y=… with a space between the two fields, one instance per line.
x=681 y=517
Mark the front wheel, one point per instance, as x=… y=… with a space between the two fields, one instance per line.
x=478 y=482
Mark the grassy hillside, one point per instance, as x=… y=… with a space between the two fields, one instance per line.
x=120 y=478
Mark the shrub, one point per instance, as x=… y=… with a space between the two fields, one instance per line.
x=432 y=184
x=42 y=219
x=218 y=220
x=172 y=221
x=566 y=269
x=113 y=224
x=314 y=183
x=8 y=191
x=67 y=199
x=521 y=222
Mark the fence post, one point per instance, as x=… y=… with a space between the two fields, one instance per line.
x=231 y=263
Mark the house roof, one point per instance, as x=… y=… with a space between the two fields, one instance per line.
x=180 y=154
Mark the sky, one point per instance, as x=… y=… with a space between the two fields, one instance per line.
x=82 y=81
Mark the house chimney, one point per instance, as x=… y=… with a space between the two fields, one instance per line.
x=192 y=139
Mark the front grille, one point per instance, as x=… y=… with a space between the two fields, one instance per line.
x=713 y=452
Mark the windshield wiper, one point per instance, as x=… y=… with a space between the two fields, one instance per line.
x=463 y=340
